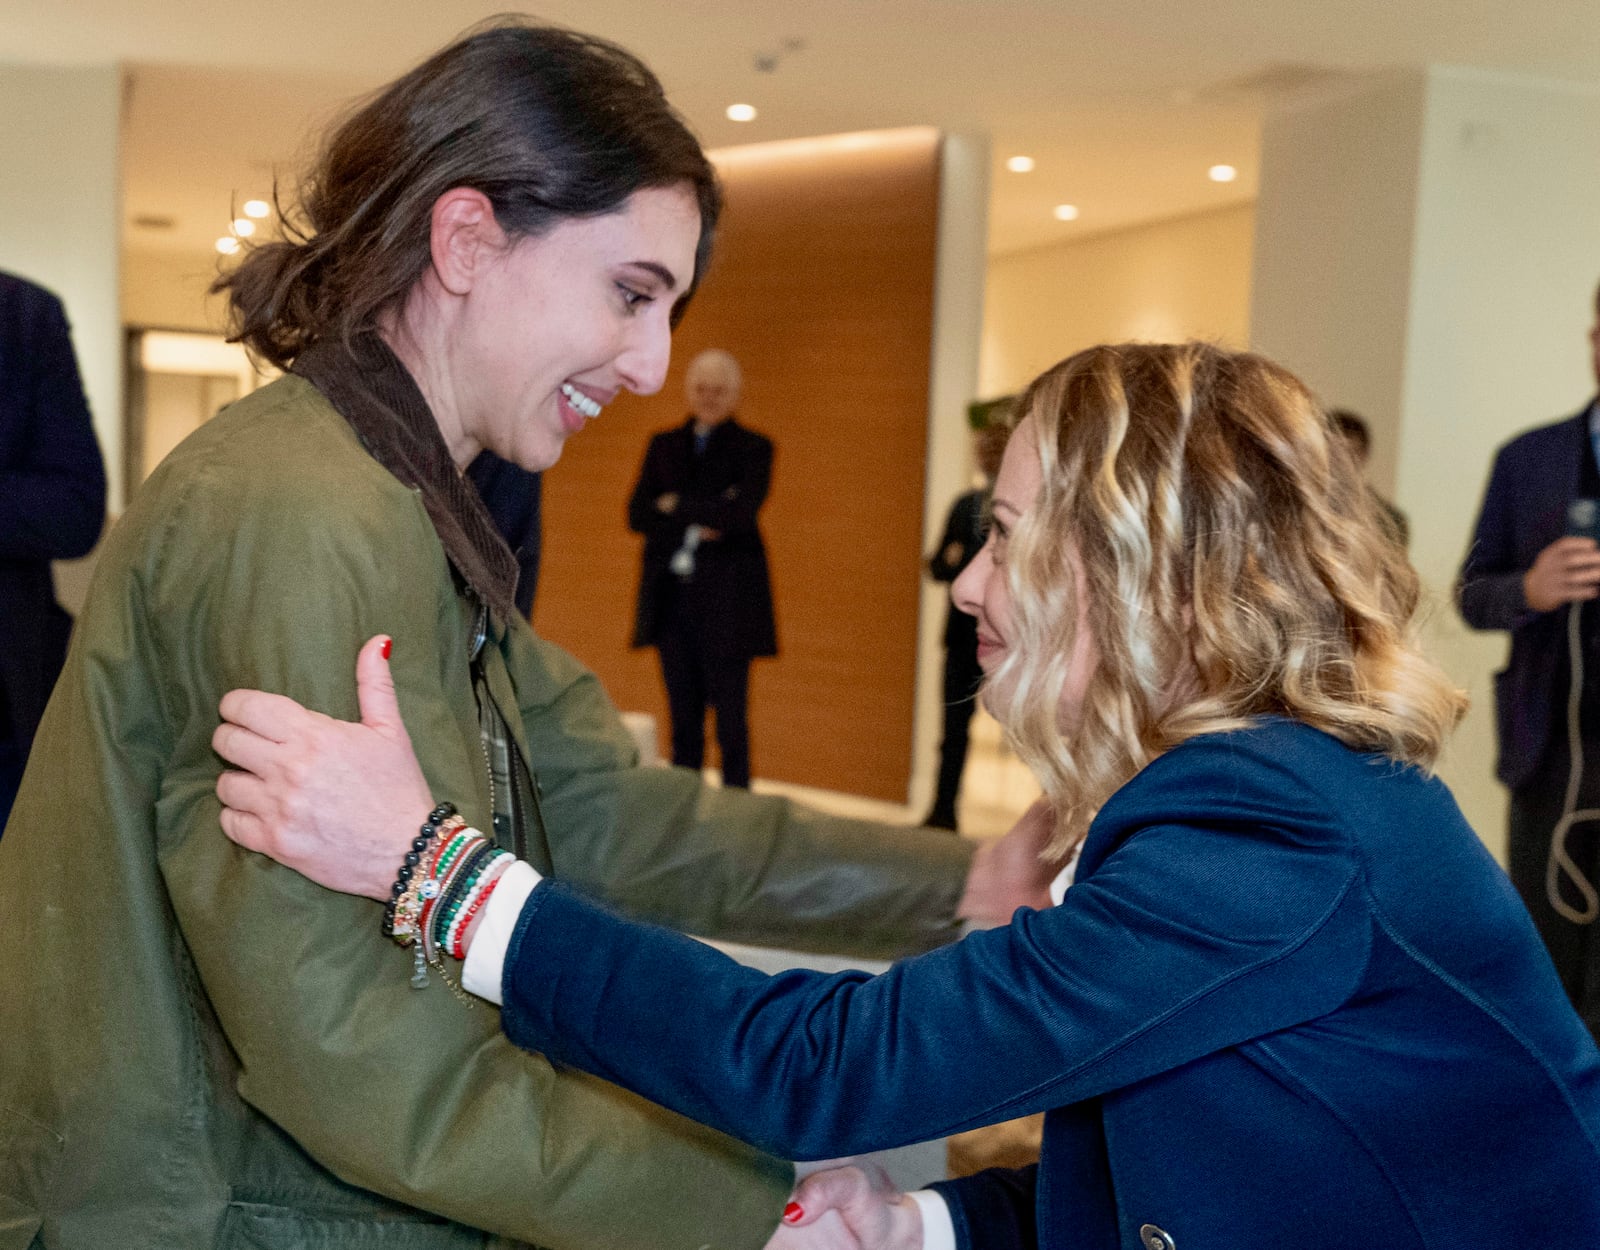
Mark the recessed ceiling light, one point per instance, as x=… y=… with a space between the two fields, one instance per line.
x=1222 y=173
x=257 y=209
x=228 y=245
x=1066 y=212
x=1020 y=164
x=741 y=112
x=243 y=227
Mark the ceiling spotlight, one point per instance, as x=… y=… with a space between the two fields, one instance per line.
x=228 y=245
x=1020 y=164
x=741 y=112
x=243 y=227
x=1222 y=173
x=1065 y=212
x=257 y=209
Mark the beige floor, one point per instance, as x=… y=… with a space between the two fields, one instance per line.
x=995 y=789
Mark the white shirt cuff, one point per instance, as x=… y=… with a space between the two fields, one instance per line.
x=486 y=959
x=1064 y=878
x=938 y=1230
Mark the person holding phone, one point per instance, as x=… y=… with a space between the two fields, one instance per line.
x=1532 y=569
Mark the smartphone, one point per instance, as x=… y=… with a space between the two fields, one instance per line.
x=1583 y=518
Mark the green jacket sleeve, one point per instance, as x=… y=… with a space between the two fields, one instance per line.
x=719 y=863
x=408 y=1093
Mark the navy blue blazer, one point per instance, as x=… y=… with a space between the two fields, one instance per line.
x=1291 y=1001
x=52 y=496
x=1535 y=476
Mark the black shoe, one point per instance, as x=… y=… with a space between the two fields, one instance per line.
x=938 y=818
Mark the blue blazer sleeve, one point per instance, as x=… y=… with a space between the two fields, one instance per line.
x=1188 y=937
x=995 y=1209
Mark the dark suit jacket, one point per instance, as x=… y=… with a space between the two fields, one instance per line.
x=723 y=488
x=963 y=529
x=514 y=498
x=1535 y=476
x=52 y=496
x=1290 y=1001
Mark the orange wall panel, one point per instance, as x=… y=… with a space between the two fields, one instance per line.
x=822 y=286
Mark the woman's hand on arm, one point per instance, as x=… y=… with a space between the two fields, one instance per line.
x=338 y=802
x=1012 y=871
x=845 y=1209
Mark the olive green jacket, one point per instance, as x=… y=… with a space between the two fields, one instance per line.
x=199 y=1048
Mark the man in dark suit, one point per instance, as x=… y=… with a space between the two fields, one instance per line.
x=1528 y=572
x=52 y=507
x=964 y=533
x=705 y=599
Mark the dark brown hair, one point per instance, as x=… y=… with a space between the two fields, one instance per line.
x=549 y=124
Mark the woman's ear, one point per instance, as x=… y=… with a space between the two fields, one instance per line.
x=464 y=237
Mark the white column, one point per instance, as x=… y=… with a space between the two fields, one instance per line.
x=1427 y=250
x=957 y=329
x=60 y=214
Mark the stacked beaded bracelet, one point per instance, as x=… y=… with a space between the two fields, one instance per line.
x=477 y=896
x=471 y=876
x=448 y=875
x=400 y=913
x=411 y=909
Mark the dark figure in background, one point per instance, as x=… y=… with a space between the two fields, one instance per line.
x=705 y=599
x=1528 y=573
x=52 y=507
x=1359 y=438
x=513 y=497
x=963 y=535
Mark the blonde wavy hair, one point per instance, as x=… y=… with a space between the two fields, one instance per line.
x=1232 y=564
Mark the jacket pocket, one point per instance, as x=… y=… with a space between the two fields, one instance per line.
x=28 y=1165
x=264 y=1226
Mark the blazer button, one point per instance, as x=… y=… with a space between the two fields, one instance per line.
x=1156 y=1238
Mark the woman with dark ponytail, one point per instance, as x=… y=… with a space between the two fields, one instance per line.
x=205 y=1049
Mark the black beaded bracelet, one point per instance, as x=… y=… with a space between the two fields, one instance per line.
x=419 y=844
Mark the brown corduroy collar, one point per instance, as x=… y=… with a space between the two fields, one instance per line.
x=372 y=390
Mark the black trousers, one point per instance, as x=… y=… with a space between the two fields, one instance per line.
x=1535 y=811
x=961 y=678
x=700 y=674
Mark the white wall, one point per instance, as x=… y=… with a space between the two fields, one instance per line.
x=1188 y=277
x=957 y=321
x=1506 y=260
x=167 y=291
x=59 y=218
x=1335 y=218
x=1427 y=252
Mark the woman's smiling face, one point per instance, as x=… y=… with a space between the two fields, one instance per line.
x=562 y=322
x=981 y=590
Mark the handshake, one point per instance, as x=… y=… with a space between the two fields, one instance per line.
x=849 y=1208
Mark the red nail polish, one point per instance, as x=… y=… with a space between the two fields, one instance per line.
x=793 y=1212
x=388 y=646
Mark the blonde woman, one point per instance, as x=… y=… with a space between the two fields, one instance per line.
x=1290 y=998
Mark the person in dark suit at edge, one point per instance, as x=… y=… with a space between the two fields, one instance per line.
x=705 y=597
x=1526 y=572
x=963 y=534
x=52 y=507
x=514 y=497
